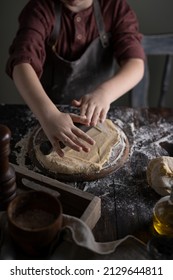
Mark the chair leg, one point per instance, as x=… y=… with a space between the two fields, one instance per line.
x=165 y=80
x=139 y=94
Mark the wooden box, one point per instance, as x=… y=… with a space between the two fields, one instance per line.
x=75 y=202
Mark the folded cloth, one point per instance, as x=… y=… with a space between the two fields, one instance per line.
x=76 y=241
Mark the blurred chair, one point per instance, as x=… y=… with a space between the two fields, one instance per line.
x=154 y=45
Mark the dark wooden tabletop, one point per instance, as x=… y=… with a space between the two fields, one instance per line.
x=127 y=200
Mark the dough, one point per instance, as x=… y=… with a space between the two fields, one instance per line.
x=160 y=174
x=80 y=162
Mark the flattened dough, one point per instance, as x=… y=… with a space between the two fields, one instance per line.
x=80 y=162
x=160 y=174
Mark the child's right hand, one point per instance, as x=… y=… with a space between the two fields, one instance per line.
x=59 y=127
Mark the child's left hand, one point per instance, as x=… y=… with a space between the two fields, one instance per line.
x=94 y=106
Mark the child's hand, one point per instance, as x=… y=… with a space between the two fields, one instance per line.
x=94 y=106
x=60 y=128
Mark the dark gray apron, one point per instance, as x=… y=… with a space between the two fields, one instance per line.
x=65 y=80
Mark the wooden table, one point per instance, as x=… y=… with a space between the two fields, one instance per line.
x=127 y=200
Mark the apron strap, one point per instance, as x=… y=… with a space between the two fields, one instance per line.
x=53 y=37
x=104 y=37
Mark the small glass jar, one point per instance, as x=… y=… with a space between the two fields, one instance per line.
x=163 y=216
x=161 y=245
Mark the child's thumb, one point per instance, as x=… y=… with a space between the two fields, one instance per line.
x=76 y=103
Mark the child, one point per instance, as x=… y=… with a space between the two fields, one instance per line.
x=65 y=52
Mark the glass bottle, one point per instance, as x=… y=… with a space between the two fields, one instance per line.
x=163 y=216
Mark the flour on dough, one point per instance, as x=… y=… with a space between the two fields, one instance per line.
x=80 y=162
x=160 y=174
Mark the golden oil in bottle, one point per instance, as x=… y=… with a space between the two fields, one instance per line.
x=163 y=216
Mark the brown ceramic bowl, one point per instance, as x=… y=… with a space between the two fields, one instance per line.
x=34 y=219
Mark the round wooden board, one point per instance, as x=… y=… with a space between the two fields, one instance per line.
x=119 y=155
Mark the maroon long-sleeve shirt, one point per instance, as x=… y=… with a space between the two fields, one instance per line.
x=77 y=31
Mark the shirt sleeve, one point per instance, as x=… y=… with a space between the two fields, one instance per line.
x=36 y=22
x=125 y=31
